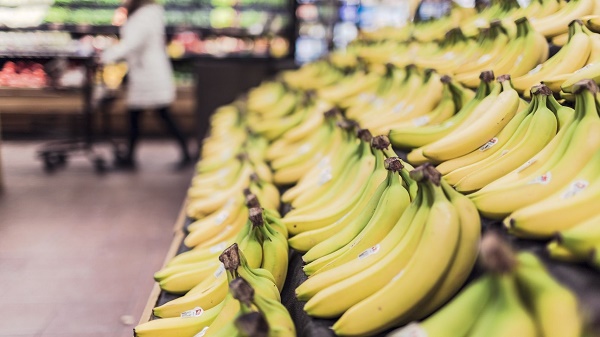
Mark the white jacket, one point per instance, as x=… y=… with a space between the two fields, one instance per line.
x=142 y=45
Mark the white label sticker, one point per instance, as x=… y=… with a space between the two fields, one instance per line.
x=378 y=102
x=449 y=55
x=373 y=250
x=221 y=217
x=420 y=121
x=544 y=179
x=484 y=58
x=398 y=107
x=325 y=176
x=504 y=152
x=535 y=70
x=324 y=162
x=575 y=187
x=526 y=165
x=489 y=144
x=219 y=271
x=411 y=330
x=518 y=60
x=304 y=149
x=196 y=312
x=201 y=333
x=584 y=68
x=218 y=248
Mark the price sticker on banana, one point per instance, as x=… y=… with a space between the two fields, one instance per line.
x=575 y=188
x=196 y=312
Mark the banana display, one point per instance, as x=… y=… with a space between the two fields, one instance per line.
x=516 y=296
x=495 y=125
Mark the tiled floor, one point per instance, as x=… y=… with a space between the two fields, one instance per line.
x=78 y=250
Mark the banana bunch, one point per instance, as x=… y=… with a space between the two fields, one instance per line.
x=524 y=136
x=515 y=297
x=557 y=23
x=566 y=208
x=579 y=242
x=551 y=169
x=570 y=58
x=312 y=76
x=214 y=311
x=503 y=54
x=486 y=117
x=414 y=97
x=420 y=136
x=366 y=228
x=322 y=212
x=257 y=315
x=217 y=195
x=388 y=277
x=261 y=237
x=591 y=70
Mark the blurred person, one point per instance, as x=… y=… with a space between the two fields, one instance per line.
x=150 y=78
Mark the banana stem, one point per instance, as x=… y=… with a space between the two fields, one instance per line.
x=252 y=324
x=496 y=255
x=242 y=291
x=230 y=258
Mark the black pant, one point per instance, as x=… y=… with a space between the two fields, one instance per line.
x=168 y=121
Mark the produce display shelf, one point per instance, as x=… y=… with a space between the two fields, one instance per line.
x=580 y=278
x=114 y=30
x=174 y=6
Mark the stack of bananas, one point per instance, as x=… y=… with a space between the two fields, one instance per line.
x=393 y=269
x=252 y=290
x=516 y=297
x=527 y=133
x=547 y=172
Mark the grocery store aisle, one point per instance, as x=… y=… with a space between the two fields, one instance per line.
x=78 y=250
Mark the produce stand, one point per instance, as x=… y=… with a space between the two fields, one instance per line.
x=580 y=278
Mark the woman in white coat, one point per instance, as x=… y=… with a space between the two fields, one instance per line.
x=150 y=78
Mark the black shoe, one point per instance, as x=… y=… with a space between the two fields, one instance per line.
x=183 y=164
x=124 y=163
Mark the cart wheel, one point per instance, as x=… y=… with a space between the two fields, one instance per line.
x=100 y=165
x=61 y=159
x=49 y=163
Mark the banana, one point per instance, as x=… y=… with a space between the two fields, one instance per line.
x=404 y=289
x=451 y=167
x=581 y=239
x=389 y=209
x=561 y=253
x=274 y=247
x=358 y=219
x=203 y=231
x=555 y=308
x=415 y=137
x=563 y=165
x=457 y=317
x=556 y=23
x=207 y=294
x=570 y=58
x=178 y=326
x=562 y=210
x=510 y=317
x=308 y=239
x=400 y=242
x=498 y=112
x=540 y=131
x=465 y=256
x=317 y=215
